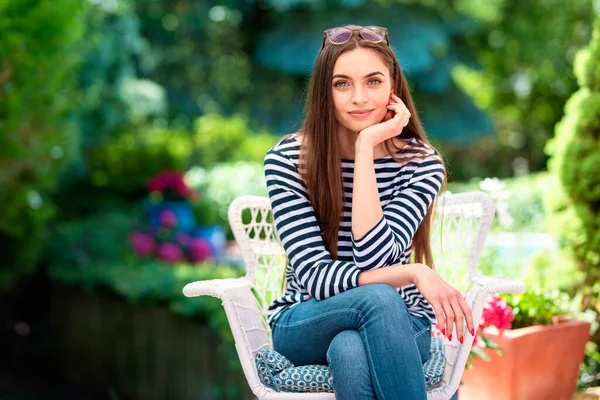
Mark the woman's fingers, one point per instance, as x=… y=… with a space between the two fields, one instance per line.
x=399 y=121
x=402 y=114
x=400 y=108
x=440 y=316
x=449 y=318
x=401 y=103
x=459 y=318
x=451 y=309
x=468 y=315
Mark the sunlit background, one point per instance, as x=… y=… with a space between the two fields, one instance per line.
x=128 y=126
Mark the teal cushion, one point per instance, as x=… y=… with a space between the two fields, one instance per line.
x=435 y=365
x=278 y=373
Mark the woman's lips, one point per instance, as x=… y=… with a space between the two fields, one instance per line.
x=360 y=114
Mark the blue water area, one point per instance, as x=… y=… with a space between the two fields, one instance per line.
x=519 y=245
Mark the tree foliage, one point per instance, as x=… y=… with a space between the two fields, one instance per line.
x=40 y=51
x=254 y=58
x=526 y=53
x=575 y=152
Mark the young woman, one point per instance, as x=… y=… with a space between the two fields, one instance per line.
x=352 y=195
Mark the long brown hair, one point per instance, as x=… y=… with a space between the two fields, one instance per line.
x=320 y=157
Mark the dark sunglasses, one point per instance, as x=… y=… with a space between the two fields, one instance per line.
x=342 y=34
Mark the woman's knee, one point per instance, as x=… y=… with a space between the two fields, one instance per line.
x=349 y=367
x=347 y=352
x=382 y=298
x=378 y=291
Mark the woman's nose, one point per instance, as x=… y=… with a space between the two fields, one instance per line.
x=358 y=96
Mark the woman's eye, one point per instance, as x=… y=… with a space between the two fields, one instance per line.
x=374 y=81
x=340 y=84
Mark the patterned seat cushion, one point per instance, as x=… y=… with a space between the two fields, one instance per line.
x=278 y=373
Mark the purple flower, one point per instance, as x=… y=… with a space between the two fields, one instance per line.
x=169 y=252
x=200 y=250
x=168 y=218
x=142 y=243
x=183 y=239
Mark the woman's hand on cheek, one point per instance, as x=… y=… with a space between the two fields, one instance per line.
x=389 y=114
x=393 y=122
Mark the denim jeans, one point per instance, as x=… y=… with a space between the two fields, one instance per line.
x=375 y=349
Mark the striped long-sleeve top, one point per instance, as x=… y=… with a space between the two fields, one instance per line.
x=406 y=190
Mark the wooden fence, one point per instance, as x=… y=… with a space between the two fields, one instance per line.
x=139 y=352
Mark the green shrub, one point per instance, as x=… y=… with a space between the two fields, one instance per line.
x=40 y=52
x=525 y=200
x=115 y=99
x=98 y=238
x=255 y=147
x=116 y=107
x=126 y=162
x=537 y=307
x=550 y=271
x=220 y=185
x=589 y=375
x=575 y=160
x=218 y=139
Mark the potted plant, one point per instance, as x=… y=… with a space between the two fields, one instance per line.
x=540 y=354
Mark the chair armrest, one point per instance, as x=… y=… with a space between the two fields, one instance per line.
x=215 y=287
x=496 y=285
x=246 y=320
x=482 y=287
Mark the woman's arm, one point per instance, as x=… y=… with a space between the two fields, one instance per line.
x=300 y=233
x=390 y=236
x=394 y=275
x=366 y=207
x=450 y=308
x=323 y=277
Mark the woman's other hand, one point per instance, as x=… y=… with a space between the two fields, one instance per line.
x=394 y=121
x=447 y=302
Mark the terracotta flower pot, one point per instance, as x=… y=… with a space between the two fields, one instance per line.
x=539 y=363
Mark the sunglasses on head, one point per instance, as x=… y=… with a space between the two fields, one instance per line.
x=342 y=34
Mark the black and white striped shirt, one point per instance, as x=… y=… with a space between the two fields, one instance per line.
x=406 y=190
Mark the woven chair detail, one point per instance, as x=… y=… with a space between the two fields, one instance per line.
x=460 y=225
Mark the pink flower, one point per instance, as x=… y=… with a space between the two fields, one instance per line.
x=168 y=218
x=200 y=250
x=142 y=243
x=169 y=252
x=497 y=313
x=172 y=181
x=183 y=239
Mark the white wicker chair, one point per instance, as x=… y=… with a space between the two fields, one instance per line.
x=460 y=225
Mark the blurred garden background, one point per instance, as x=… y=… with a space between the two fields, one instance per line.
x=128 y=126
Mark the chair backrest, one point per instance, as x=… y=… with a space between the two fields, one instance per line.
x=253 y=227
x=460 y=225
x=459 y=228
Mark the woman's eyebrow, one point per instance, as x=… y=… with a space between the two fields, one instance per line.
x=366 y=76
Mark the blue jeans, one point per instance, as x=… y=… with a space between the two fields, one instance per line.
x=375 y=349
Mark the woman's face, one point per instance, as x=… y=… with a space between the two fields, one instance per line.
x=361 y=88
